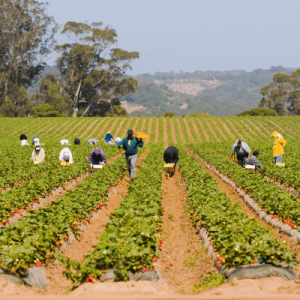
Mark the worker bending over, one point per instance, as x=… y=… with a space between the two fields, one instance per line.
x=279 y=144
x=38 y=154
x=35 y=141
x=252 y=160
x=23 y=139
x=97 y=157
x=108 y=138
x=66 y=155
x=76 y=141
x=130 y=144
x=93 y=142
x=242 y=151
x=64 y=142
x=171 y=156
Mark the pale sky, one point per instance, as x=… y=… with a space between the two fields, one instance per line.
x=190 y=35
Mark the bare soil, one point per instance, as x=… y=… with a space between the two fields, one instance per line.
x=126 y=129
x=212 y=131
x=143 y=124
x=119 y=128
x=180 y=131
x=264 y=128
x=219 y=129
x=257 y=128
x=242 y=129
x=249 y=129
x=61 y=126
x=235 y=130
x=135 y=124
x=226 y=128
x=149 y=131
x=156 y=131
x=88 y=129
x=183 y=258
x=65 y=129
x=165 y=134
x=188 y=131
x=73 y=128
x=79 y=130
x=173 y=132
x=95 y=130
x=203 y=130
x=196 y=129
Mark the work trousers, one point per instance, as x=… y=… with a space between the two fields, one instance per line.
x=131 y=163
x=241 y=159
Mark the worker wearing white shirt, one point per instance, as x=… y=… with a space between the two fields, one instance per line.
x=242 y=151
x=64 y=142
x=66 y=155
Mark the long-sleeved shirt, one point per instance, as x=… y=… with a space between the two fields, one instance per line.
x=132 y=148
x=171 y=155
x=252 y=160
x=244 y=147
x=23 y=137
x=279 y=143
x=102 y=157
x=35 y=141
x=38 y=156
x=93 y=141
x=66 y=155
x=108 y=138
x=64 y=142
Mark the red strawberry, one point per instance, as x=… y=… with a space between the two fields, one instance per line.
x=254 y=262
x=38 y=264
x=90 y=277
x=86 y=280
x=67 y=237
x=219 y=265
x=145 y=269
x=155 y=258
x=93 y=281
x=170 y=264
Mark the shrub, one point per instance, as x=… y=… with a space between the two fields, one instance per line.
x=169 y=114
x=259 y=111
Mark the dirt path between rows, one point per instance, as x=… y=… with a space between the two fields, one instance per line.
x=196 y=129
x=126 y=129
x=156 y=131
x=45 y=128
x=226 y=128
x=149 y=129
x=183 y=258
x=203 y=130
x=219 y=129
x=281 y=129
x=90 y=236
x=73 y=128
x=235 y=130
x=249 y=129
x=257 y=128
x=143 y=124
x=57 y=129
x=88 y=129
x=188 y=130
x=180 y=131
x=83 y=125
x=165 y=134
x=173 y=131
x=95 y=130
x=211 y=130
x=65 y=129
x=102 y=130
x=264 y=128
x=235 y=197
x=135 y=124
x=119 y=128
x=242 y=129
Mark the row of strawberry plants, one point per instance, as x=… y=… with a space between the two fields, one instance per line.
x=24 y=196
x=130 y=241
x=237 y=239
x=271 y=198
x=36 y=237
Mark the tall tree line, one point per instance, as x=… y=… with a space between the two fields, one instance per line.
x=92 y=72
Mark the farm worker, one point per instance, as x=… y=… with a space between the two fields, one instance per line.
x=279 y=144
x=118 y=140
x=93 y=141
x=242 y=151
x=76 y=141
x=35 y=141
x=130 y=144
x=171 y=155
x=97 y=157
x=108 y=138
x=38 y=154
x=64 y=142
x=252 y=160
x=66 y=155
x=23 y=139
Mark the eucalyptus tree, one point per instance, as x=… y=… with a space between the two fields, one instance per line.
x=92 y=71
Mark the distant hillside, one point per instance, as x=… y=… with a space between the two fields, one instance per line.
x=219 y=93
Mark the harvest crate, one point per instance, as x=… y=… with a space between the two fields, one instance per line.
x=140 y=135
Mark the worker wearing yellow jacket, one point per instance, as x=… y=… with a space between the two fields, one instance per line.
x=279 y=144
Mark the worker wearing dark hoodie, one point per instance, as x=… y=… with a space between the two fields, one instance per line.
x=97 y=157
x=130 y=144
x=242 y=151
x=252 y=160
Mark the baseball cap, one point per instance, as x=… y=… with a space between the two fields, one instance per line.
x=255 y=152
x=130 y=131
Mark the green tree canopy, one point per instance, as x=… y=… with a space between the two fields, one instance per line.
x=45 y=110
x=259 y=111
x=93 y=71
x=26 y=35
x=283 y=94
x=116 y=110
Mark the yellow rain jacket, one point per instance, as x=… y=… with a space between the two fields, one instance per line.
x=279 y=143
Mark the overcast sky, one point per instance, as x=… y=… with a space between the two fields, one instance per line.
x=189 y=35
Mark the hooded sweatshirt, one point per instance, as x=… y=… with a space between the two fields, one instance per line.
x=102 y=156
x=279 y=143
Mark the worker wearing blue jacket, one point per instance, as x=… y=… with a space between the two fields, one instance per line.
x=130 y=144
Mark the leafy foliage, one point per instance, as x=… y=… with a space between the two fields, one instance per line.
x=259 y=111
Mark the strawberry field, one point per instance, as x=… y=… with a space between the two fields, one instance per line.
x=47 y=210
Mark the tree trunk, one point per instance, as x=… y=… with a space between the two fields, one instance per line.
x=75 y=108
x=87 y=109
x=5 y=92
